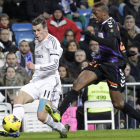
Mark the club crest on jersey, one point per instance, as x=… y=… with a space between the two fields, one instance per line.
x=111 y=30
x=42 y=48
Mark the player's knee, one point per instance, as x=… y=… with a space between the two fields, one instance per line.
x=41 y=117
x=75 y=84
x=118 y=105
x=19 y=99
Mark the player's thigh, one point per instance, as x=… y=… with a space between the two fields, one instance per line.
x=84 y=79
x=23 y=98
x=27 y=93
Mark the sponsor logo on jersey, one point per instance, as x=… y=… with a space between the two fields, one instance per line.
x=110 y=23
x=38 y=56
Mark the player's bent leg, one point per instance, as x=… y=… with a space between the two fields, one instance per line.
x=41 y=113
x=116 y=97
x=47 y=119
x=20 y=100
x=84 y=79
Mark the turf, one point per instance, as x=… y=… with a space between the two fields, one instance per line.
x=83 y=135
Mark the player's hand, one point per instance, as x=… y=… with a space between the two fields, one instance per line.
x=87 y=33
x=30 y=66
x=131 y=53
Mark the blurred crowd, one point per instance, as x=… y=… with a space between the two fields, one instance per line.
x=62 y=17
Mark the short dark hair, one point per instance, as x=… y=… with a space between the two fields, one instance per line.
x=24 y=41
x=102 y=5
x=3 y=15
x=39 y=20
x=10 y=54
x=3 y=29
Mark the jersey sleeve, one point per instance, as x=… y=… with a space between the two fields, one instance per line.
x=110 y=39
x=55 y=54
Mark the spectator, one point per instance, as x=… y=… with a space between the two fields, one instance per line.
x=130 y=98
x=58 y=24
x=4 y=21
x=4 y=24
x=134 y=62
x=69 y=35
x=133 y=30
x=4 y=39
x=66 y=78
x=80 y=56
x=70 y=12
x=113 y=11
x=11 y=60
x=11 y=79
x=84 y=45
x=129 y=79
x=83 y=64
x=94 y=47
x=24 y=55
x=65 y=74
x=69 y=53
x=43 y=8
x=133 y=8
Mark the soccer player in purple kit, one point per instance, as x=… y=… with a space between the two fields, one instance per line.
x=109 y=66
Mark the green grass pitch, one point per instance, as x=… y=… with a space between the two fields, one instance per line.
x=83 y=135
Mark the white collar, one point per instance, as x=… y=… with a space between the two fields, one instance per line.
x=107 y=20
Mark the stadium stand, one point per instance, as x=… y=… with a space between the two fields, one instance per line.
x=22 y=29
x=27 y=37
x=86 y=13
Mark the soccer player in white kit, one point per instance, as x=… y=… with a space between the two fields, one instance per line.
x=45 y=84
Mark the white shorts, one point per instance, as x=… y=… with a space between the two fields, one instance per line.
x=46 y=91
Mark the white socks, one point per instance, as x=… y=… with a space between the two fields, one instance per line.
x=18 y=111
x=55 y=125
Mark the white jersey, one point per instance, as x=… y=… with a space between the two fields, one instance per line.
x=47 y=55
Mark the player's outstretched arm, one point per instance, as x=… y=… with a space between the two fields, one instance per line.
x=103 y=41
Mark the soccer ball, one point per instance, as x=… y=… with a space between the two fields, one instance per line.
x=11 y=123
